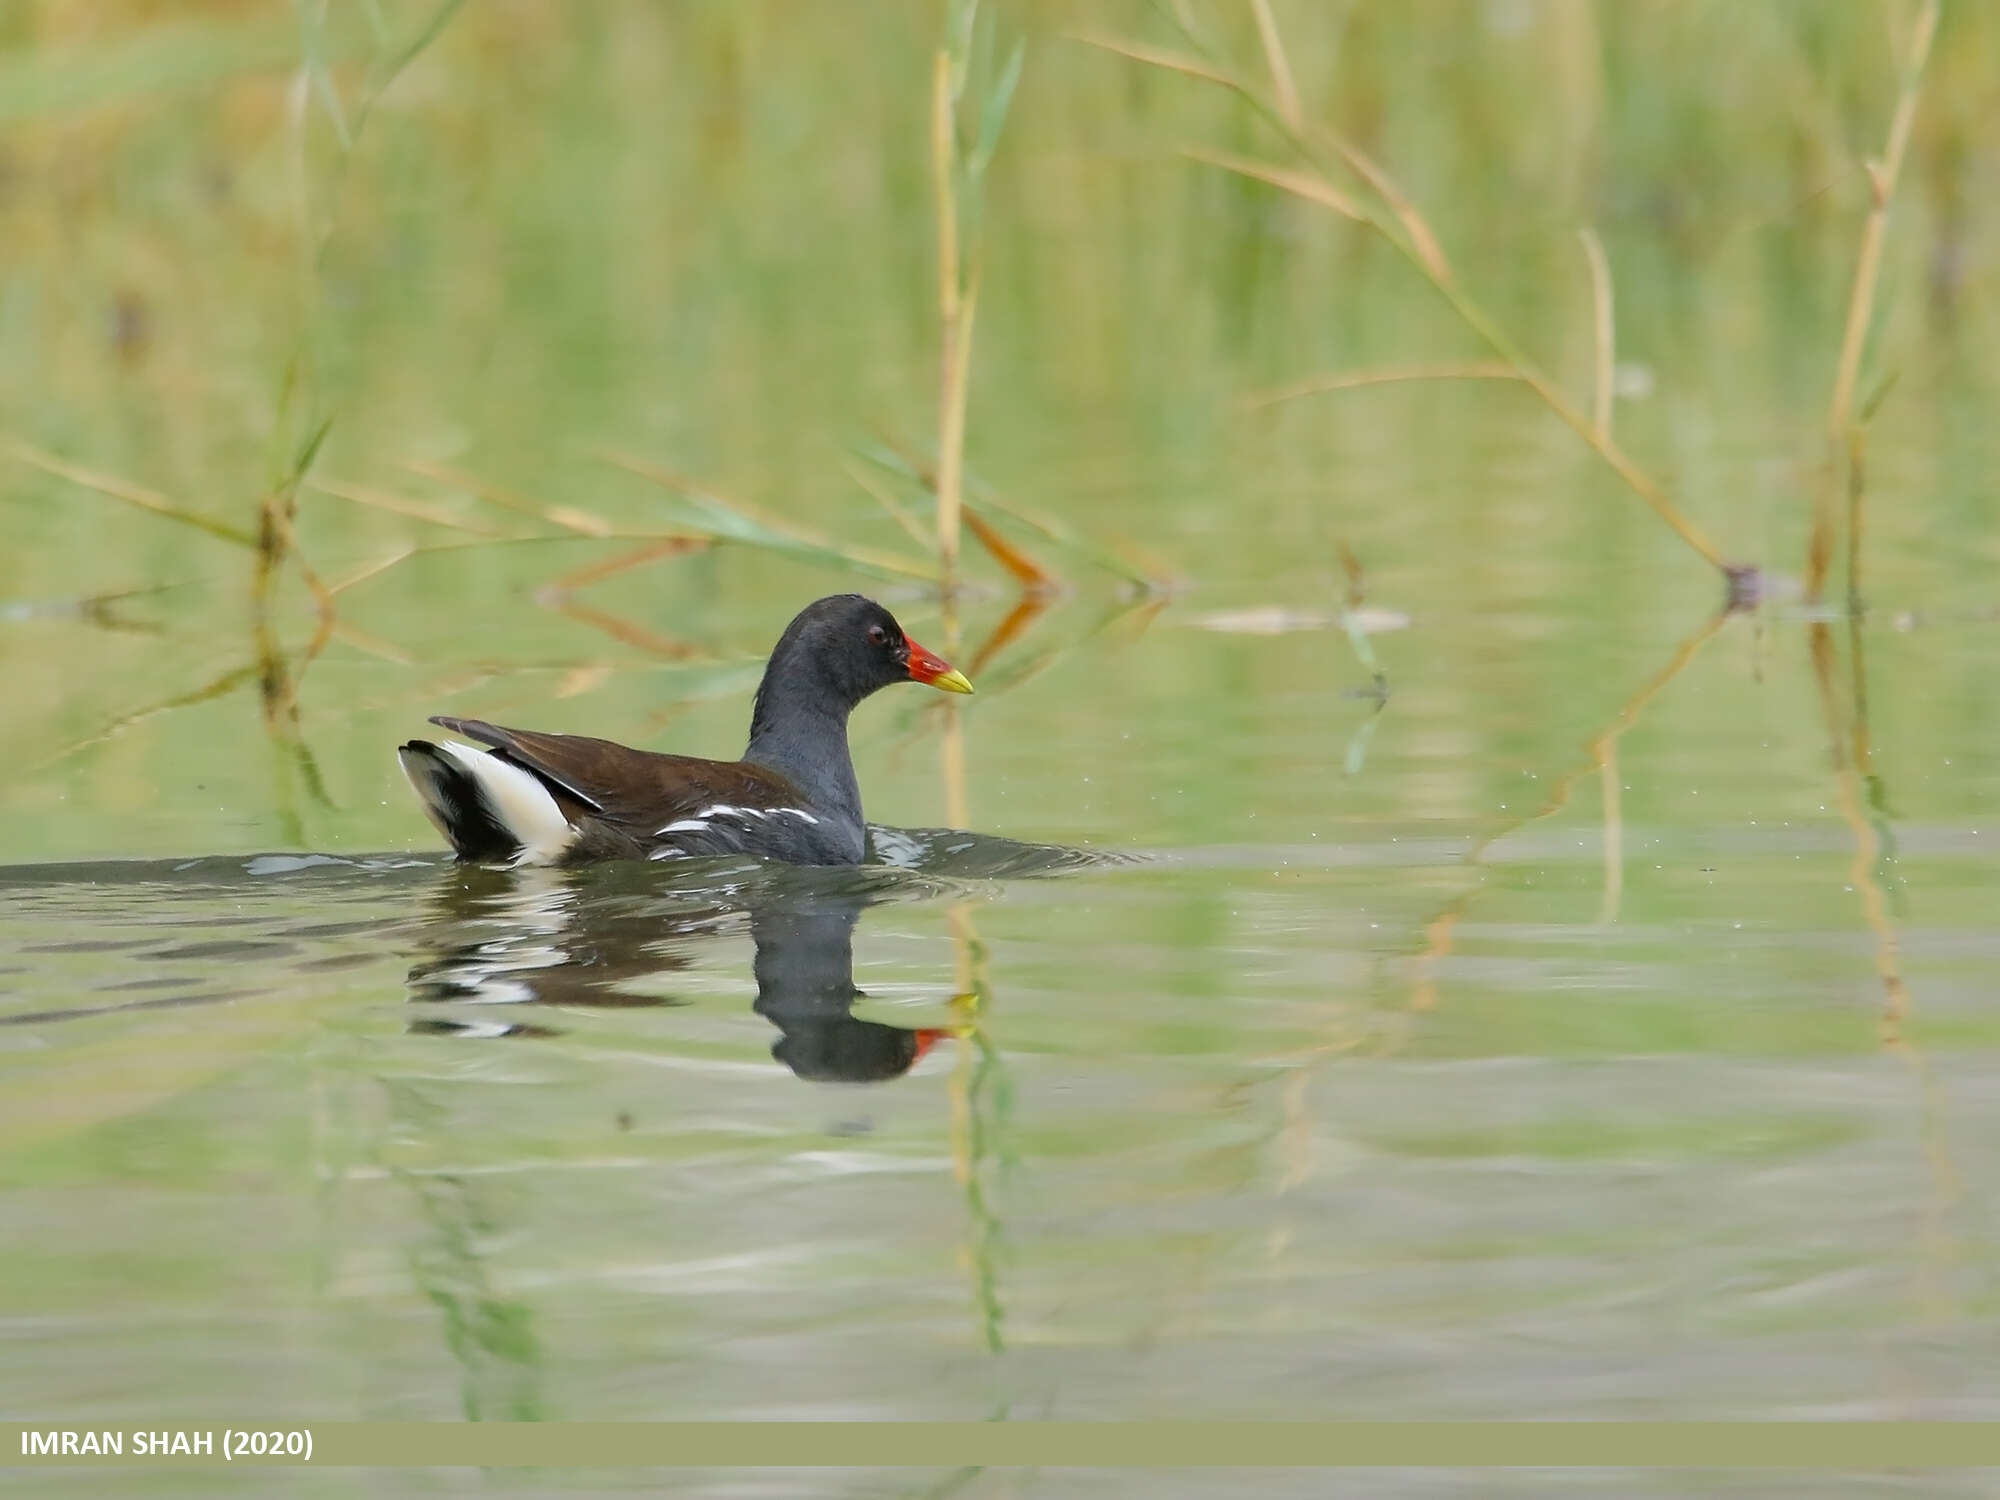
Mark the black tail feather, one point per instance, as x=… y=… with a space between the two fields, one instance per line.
x=452 y=801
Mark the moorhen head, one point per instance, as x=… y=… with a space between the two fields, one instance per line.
x=534 y=798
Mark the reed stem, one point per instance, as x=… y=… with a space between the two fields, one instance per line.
x=1404 y=226
x=951 y=335
x=1842 y=422
x=1882 y=175
x=1603 y=309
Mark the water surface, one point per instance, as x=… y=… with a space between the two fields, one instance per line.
x=1596 y=1018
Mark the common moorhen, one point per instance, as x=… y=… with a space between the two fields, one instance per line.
x=564 y=799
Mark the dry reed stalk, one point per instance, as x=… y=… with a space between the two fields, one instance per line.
x=1857 y=444
x=951 y=336
x=1636 y=479
x=130 y=493
x=1399 y=375
x=1410 y=234
x=1035 y=580
x=1156 y=57
x=372 y=644
x=958 y=302
x=1282 y=84
x=881 y=496
x=897 y=459
x=1602 y=310
x=1301 y=184
x=951 y=432
x=957 y=810
x=1614 y=836
x=1882 y=175
x=1030 y=607
x=1841 y=422
x=639 y=557
x=217 y=687
x=583 y=522
x=368 y=570
x=744 y=522
x=415 y=510
x=276 y=542
x=664 y=647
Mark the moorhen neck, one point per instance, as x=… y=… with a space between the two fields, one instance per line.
x=563 y=799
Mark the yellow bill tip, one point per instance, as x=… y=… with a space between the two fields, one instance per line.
x=953 y=681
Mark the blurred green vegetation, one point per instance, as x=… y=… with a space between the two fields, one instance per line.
x=489 y=248
x=567 y=349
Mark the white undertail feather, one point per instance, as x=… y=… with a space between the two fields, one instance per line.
x=519 y=802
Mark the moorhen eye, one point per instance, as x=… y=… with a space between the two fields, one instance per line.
x=877 y=634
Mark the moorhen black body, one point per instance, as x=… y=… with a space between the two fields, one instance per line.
x=535 y=798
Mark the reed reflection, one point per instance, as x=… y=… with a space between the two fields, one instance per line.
x=533 y=943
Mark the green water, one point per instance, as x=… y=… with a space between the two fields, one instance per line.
x=1601 y=1026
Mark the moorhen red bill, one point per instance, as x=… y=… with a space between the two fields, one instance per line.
x=564 y=799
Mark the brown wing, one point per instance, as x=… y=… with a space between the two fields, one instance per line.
x=635 y=788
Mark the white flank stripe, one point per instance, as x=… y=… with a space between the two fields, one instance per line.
x=699 y=822
x=520 y=803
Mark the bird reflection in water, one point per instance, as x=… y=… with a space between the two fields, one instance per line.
x=556 y=940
